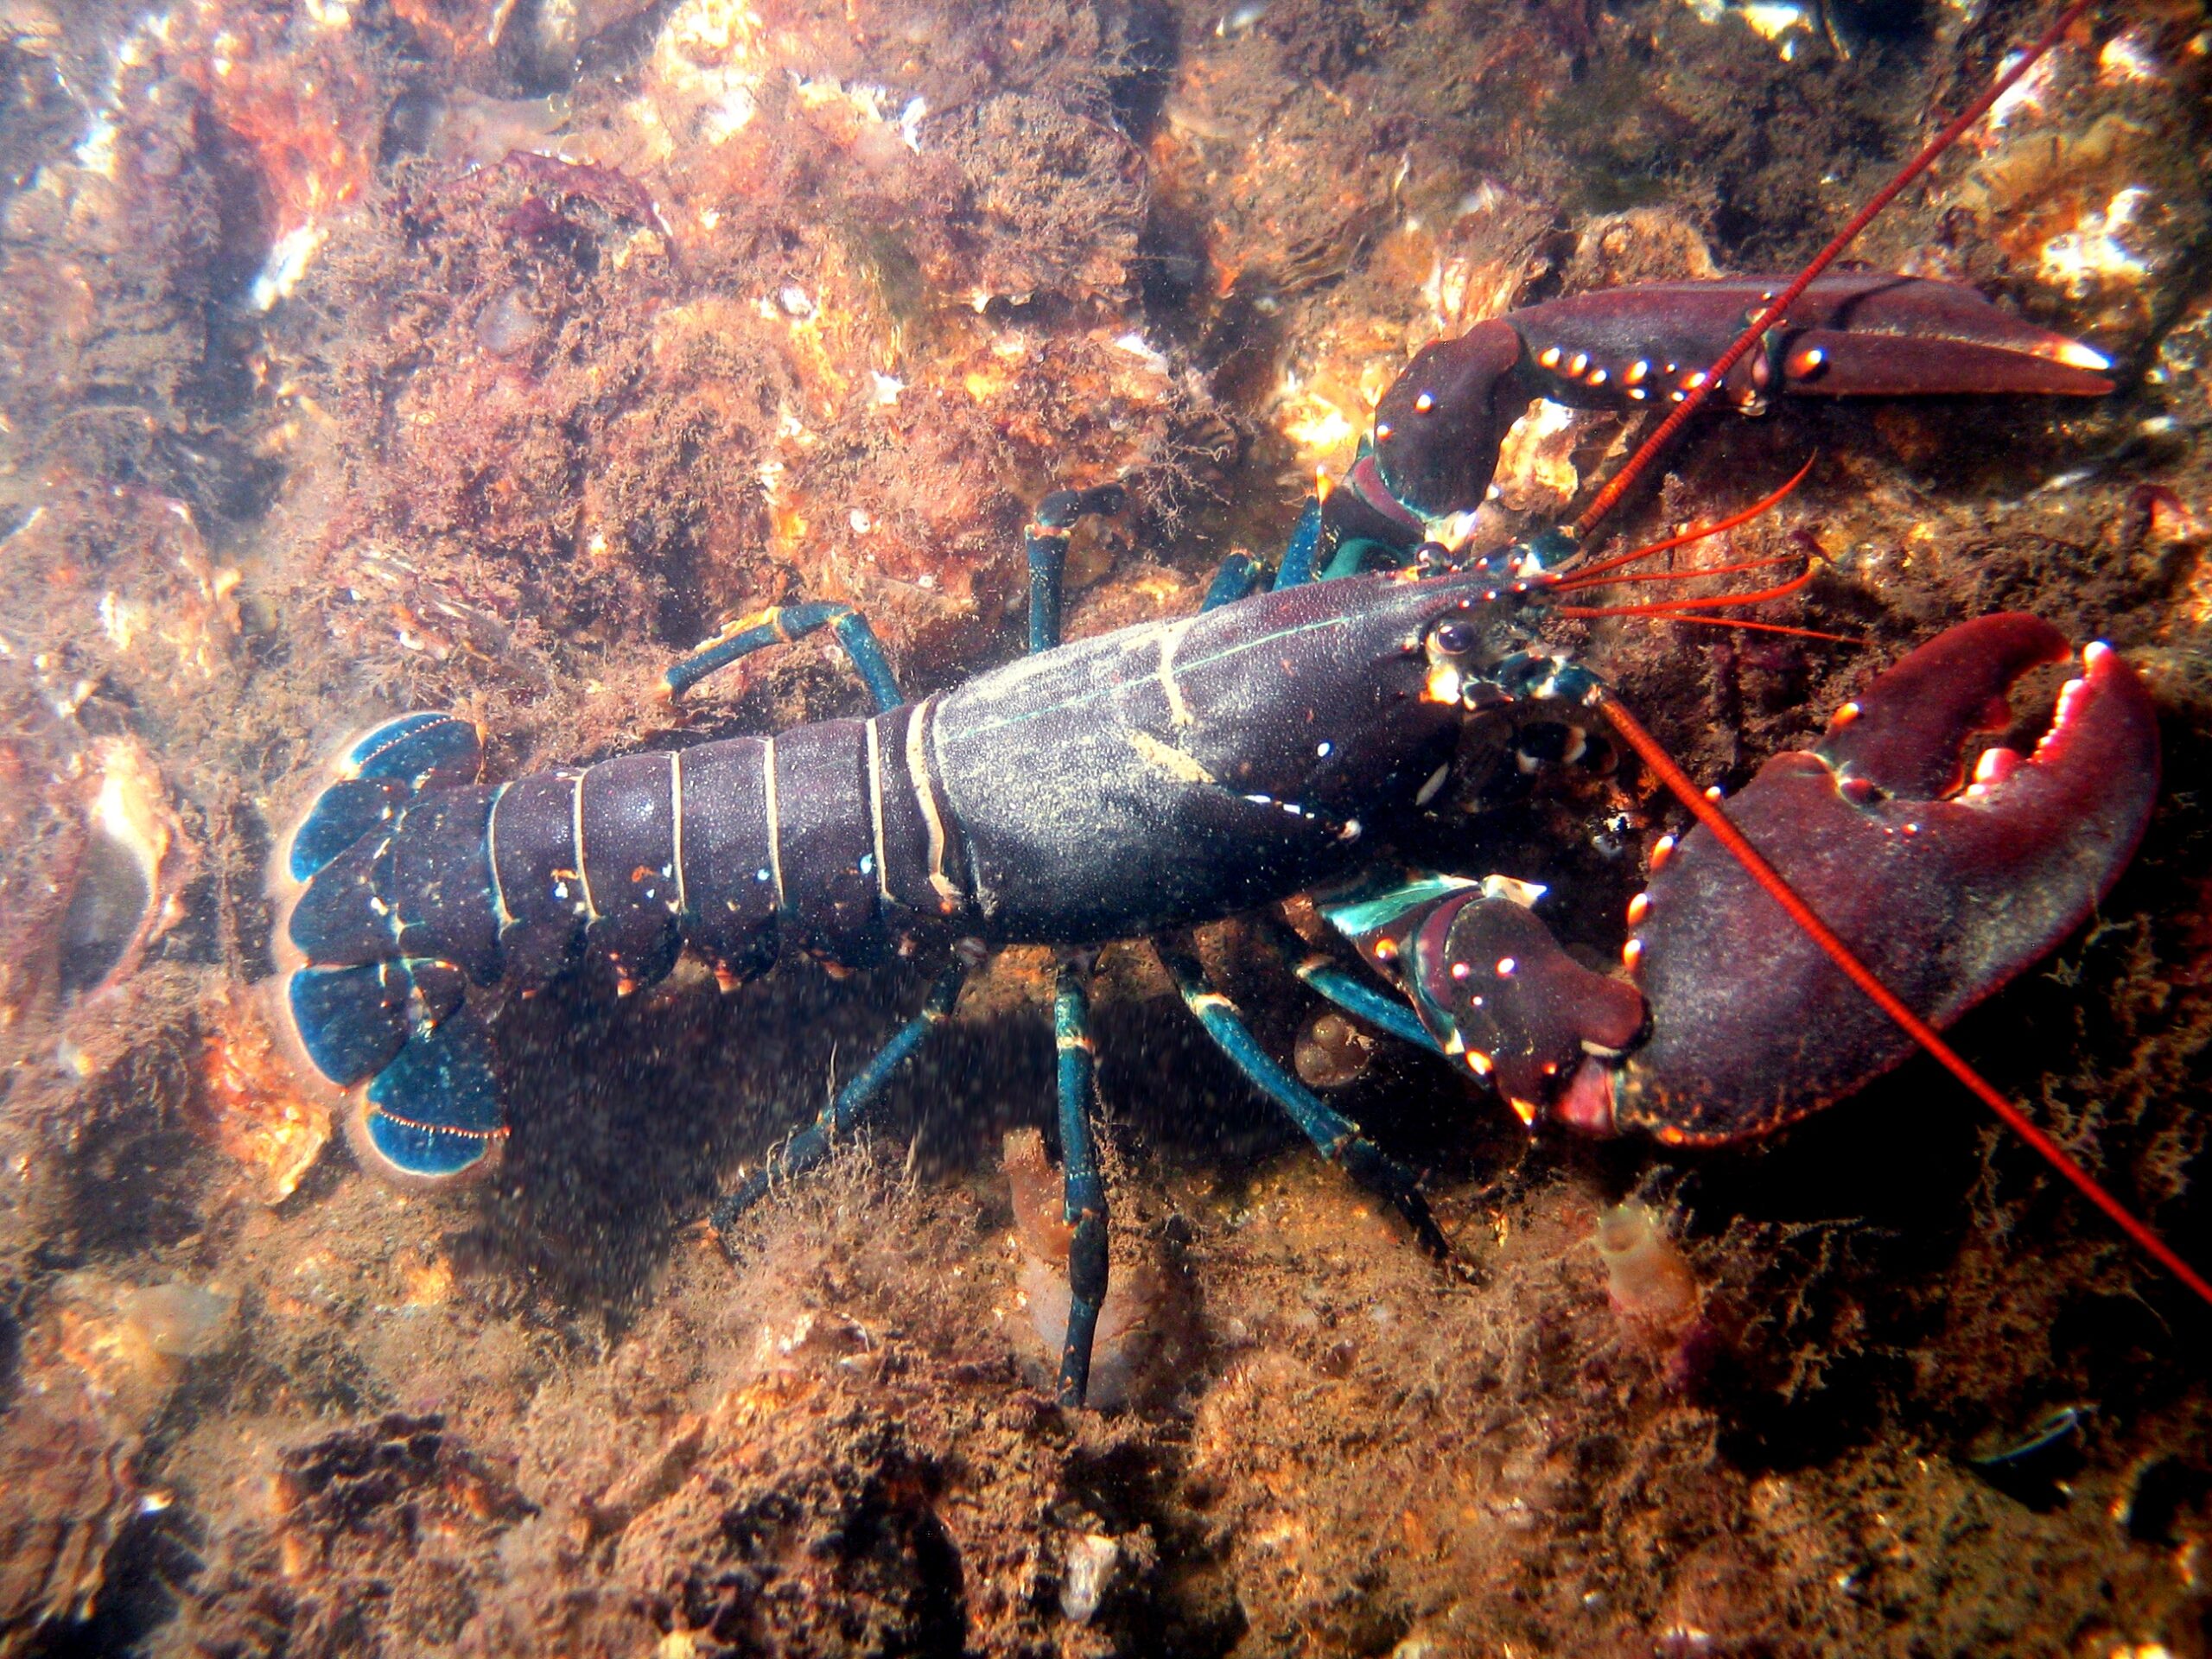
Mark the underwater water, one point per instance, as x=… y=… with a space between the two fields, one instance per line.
x=366 y=357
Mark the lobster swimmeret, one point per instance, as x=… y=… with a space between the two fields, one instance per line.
x=1172 y=773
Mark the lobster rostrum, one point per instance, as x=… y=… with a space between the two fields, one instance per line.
x=1172 y=773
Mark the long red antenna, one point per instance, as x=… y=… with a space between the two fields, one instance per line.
x=1609 y=497
x=1746 y=623
x=1693 y=574
x=1574 y=576
x=1709 y=814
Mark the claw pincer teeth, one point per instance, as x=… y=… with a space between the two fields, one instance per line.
x=1947 y=886
x=1490 y=984
x=1855 y=333
x=1946 y=892
x=1995 y=766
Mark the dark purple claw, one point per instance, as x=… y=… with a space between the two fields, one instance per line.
x=1495 y=987
x=1946 y=893
x=1876 y=335
x=1861 y=334
x=1906 y=733
x=1865 y=334
x=1438 y=427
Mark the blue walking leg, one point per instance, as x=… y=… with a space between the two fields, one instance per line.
x=1237 y=578
x=843 y=1114
x=778 y=624
x=1083 y=1190
x=1335 y=1137
x=1047 y=542
x=1354 y=558
x=1297 y=568
x=1325 y=976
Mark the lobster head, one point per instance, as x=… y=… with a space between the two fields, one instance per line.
x=1946 y=885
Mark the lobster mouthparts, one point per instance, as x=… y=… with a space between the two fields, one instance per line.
x=1946 y=887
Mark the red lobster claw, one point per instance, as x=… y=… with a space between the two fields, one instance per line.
x=1945 y=888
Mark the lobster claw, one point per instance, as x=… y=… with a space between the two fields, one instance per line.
x=1440 y=425
x=1438 y=428
x=1946 y=887
x=1491 y=986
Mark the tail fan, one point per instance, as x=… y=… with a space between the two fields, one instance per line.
x=388 y=910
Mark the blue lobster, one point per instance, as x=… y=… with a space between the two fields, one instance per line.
x=1275 y=744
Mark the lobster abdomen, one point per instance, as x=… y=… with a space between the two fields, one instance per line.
x=409 y=880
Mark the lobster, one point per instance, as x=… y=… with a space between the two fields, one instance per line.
x=1277 y=743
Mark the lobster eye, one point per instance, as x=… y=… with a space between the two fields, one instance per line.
x=1454 y=638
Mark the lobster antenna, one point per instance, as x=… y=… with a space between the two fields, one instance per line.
x=1710 y=602
x=1708 y=813
x=1589 y=574
x=1743 y=622
x=1705 y=385
x=1690 y=573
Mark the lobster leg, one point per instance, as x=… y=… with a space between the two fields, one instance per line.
x=1082 y=1191
x=1239 y=576
x=1321 y=974
x=1946 y=885
x=1489 y=987
x=780 y=624
x=846 y=1109
x=1297 y=567
x=1333 y=1135
x=1864 y=333
x=1047 y=542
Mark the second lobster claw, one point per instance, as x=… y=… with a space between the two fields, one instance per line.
x=1438 y=427
x=1946 y=885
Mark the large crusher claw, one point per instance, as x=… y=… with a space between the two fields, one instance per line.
x=1862 y=334
x=1946 y=886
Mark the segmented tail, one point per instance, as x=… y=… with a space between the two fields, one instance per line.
x=373 y=994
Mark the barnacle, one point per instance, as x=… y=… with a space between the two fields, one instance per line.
x=708 y=69
x=2094 y=204
x=1332 y=1052
x=305 y=108
x=250 y=1102
x=179 y=1319
x=128 y=883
